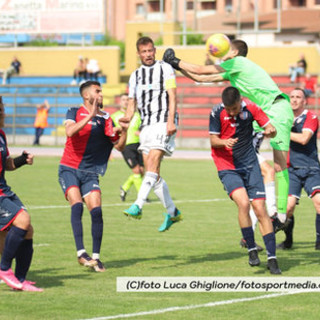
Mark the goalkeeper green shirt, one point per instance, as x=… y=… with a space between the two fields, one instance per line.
x=133 y=127
x=252 y=81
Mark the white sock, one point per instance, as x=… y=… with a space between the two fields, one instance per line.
x=282 y=217
x=254 y=219
x=271 y=198
x=162 y=192
x=149 y=180
x=80 y=252
x=96 y=256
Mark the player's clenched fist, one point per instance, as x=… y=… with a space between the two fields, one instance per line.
x=169 y=56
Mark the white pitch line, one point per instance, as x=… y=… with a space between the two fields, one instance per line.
x=41 y=245
x=125 y=204
x=190 y=307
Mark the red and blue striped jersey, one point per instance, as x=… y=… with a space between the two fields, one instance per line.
x=304 y=156
x=90 y=148
x=5 y=190
x=242 y=155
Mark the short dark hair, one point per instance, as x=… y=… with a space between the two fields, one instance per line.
x=143 y=41
x=230 y=96
x=124 y=94
x=300 y=89
x=241 y=46
x=87 y=84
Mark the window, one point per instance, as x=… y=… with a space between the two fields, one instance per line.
x=189 y=5
x=208 y=5
x=228 y=5
x=140 y=9
x=154 y=6
x=298 y=3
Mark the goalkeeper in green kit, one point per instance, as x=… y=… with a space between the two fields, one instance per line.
x=254 y=83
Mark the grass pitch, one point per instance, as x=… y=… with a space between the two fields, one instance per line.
x=205 y=243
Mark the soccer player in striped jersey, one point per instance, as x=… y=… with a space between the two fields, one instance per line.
x=303 y=164
x=152 y=89
x=230 y=131
x=15 y=222
x=91 y=135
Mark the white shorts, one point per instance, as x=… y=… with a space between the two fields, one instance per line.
x=155 y=137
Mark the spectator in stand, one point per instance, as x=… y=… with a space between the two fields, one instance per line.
x=41 y=121
x=309 y=85
x=14 y=68
x=299 y=69
x=80 y=72
x=93 y=70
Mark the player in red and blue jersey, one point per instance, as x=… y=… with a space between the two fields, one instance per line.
x=303 y=164
x=238 y=168
x=91 y=135
x=15 y=222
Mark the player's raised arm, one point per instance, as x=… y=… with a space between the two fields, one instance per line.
x=203 y=78
x=170 y=57
x=130 y=110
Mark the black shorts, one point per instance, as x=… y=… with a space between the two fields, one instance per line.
x=132 y=156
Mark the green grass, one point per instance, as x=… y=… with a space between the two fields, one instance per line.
x=205 y=244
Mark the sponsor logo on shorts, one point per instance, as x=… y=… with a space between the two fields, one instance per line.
x=260 y=192
x=96 y=186
x=4 y=213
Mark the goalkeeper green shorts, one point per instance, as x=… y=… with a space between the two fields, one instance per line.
x=281 y=115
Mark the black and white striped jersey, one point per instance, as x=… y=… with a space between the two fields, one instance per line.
x=147 y=85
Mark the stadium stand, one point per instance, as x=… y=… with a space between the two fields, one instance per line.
x=195 y=102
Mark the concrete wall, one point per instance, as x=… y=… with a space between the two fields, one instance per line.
x=62 y=60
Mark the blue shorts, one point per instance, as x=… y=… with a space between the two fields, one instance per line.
x=250 y=179
x=307 y=178
x=10 y=207
x=85 y=181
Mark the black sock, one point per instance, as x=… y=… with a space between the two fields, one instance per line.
x=23 y=259
x=270 y=243
x=289 y=230
x=96 y=229
x=13 y=241
x=248 y=235
x=318 y=227
x=76 y=223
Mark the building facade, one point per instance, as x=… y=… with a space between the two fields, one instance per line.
x=206 y=16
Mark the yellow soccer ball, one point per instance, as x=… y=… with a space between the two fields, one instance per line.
x=218 y=45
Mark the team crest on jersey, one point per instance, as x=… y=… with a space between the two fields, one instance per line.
x=244 y=115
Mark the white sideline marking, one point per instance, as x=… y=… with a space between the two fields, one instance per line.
x=190 y=307
x=41 y=245
x=126 y=204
